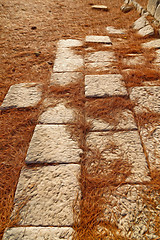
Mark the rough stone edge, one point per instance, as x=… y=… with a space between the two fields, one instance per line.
x=143 y=11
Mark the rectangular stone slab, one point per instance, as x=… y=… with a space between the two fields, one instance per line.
x=98 y=39
x=59 y=114
x=68 y=43
x=125 y=122
x=100 y=56
x=146 y=98
x=66 y=78
x=22 y=95
x=128 y=146
x=52 y=144
x=104 y=85
x=33 y=233
x=51 y=191
x=67 y=65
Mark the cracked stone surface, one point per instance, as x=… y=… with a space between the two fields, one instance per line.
x=128 y=147
x=152 y=44
x=66 y=77
x=113 y=30
x=150 y=134
x=68 y=43
x=134 y=59
x=68 y=65
x=52 y=144
x=57 y=115
x=38 y=233
x=146 y=98
x=100 y=56
x=22 y=95
x=125 y=120
x=98 y=39
x=104 y=85
x=51 y=191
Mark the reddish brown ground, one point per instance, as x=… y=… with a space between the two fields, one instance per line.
x=29 y=33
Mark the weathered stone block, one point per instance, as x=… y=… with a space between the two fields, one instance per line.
x=140 y=23
x=57 y=115
x=66 y=77
x=52 y=144
x=146 y=31
x=51 y=191
x=134 y=59
x=22 y=95
x=98 y=66
x=104 y=85
x=125 y=122
x=152 y=44
x=98 y=39
x=113 y=30
x=67 y=53
x=127 y=146
x=100 y=56
x=67 y=65
x=37 y=233
x=146 y=99
x=68 y=43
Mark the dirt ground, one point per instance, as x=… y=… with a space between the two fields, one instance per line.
x=29 y=33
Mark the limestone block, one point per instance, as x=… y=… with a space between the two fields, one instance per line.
x=51 y=191
x=125 y=122
x=146 y=31
x=128 y=147
x=104 y=85
x=134 y=59
x=66 y=78
x=98 y=39
x=140 y=23
x=52 y=144
x=22 y=95
x=151 y=7
x=113 y=30
x=150 y=134
x=68 y=43
x=146 y=99
x=68 y=65
x=157 y=13
x=152 y=44
x=38 y=233
x=57 y=115
x=100 y=56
